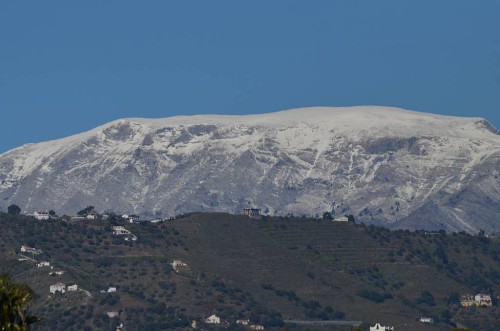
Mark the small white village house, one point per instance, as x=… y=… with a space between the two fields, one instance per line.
x=43 y=264
x=341 y=219
x=177 y=265
x=251 y=212
x=256 y=327
x=58 y=287
x=41 y=215
x=111 y=290
x=31 y=250
x=72 y=288
x=378 y=327
x=131 y=218
x=426 y=320
x=483 y=299
x=212 y=319
x=120 y=231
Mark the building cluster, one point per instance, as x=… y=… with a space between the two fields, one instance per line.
x=43 y=264
x=88 y=216
x=477 y=300
x=110 y=289
x=60 y=287
x=214 y=319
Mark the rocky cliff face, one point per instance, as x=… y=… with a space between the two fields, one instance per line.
x=389 y=166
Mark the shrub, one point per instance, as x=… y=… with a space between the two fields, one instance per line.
x=374 y=296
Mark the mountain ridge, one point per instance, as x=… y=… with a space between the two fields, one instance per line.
x=380 y=164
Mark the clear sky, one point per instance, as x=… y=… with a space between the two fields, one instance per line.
x=68 y=66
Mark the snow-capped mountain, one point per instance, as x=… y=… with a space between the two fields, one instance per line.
x=385 y=165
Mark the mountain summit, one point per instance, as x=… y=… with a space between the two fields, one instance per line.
x=388 y=166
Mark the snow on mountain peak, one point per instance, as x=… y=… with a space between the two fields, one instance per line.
x=379 y=163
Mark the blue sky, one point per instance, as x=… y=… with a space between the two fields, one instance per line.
x=68 y=66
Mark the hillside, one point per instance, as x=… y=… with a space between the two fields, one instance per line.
x=266 y=270
x=386 y=166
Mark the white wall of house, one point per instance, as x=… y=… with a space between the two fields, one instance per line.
x=213 y=319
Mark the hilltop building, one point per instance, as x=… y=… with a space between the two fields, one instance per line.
x=131 y=218
x=41 y=215
x=251 y=212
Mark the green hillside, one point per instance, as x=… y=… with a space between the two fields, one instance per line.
x=266 y=270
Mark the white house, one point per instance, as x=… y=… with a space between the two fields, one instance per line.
x=111 y=290
x=120 y=231
x=91 y=216
x=131 y=218
x=112 y=314
x=426 y=320
x=213 y=319
x=379 y=327
x=58 y=287
x=43 y=264
x=251 y=212
x=256 y=327
x=41 y=215
x=341 y=219
x=72 y=288
x=27 y=249
x=177 y=264
x=483 y=299
x=57 y=272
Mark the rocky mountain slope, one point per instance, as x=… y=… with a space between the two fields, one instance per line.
x=395 y=167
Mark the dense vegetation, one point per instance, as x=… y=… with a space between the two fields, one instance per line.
x=14 y=299
x=267 y=270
